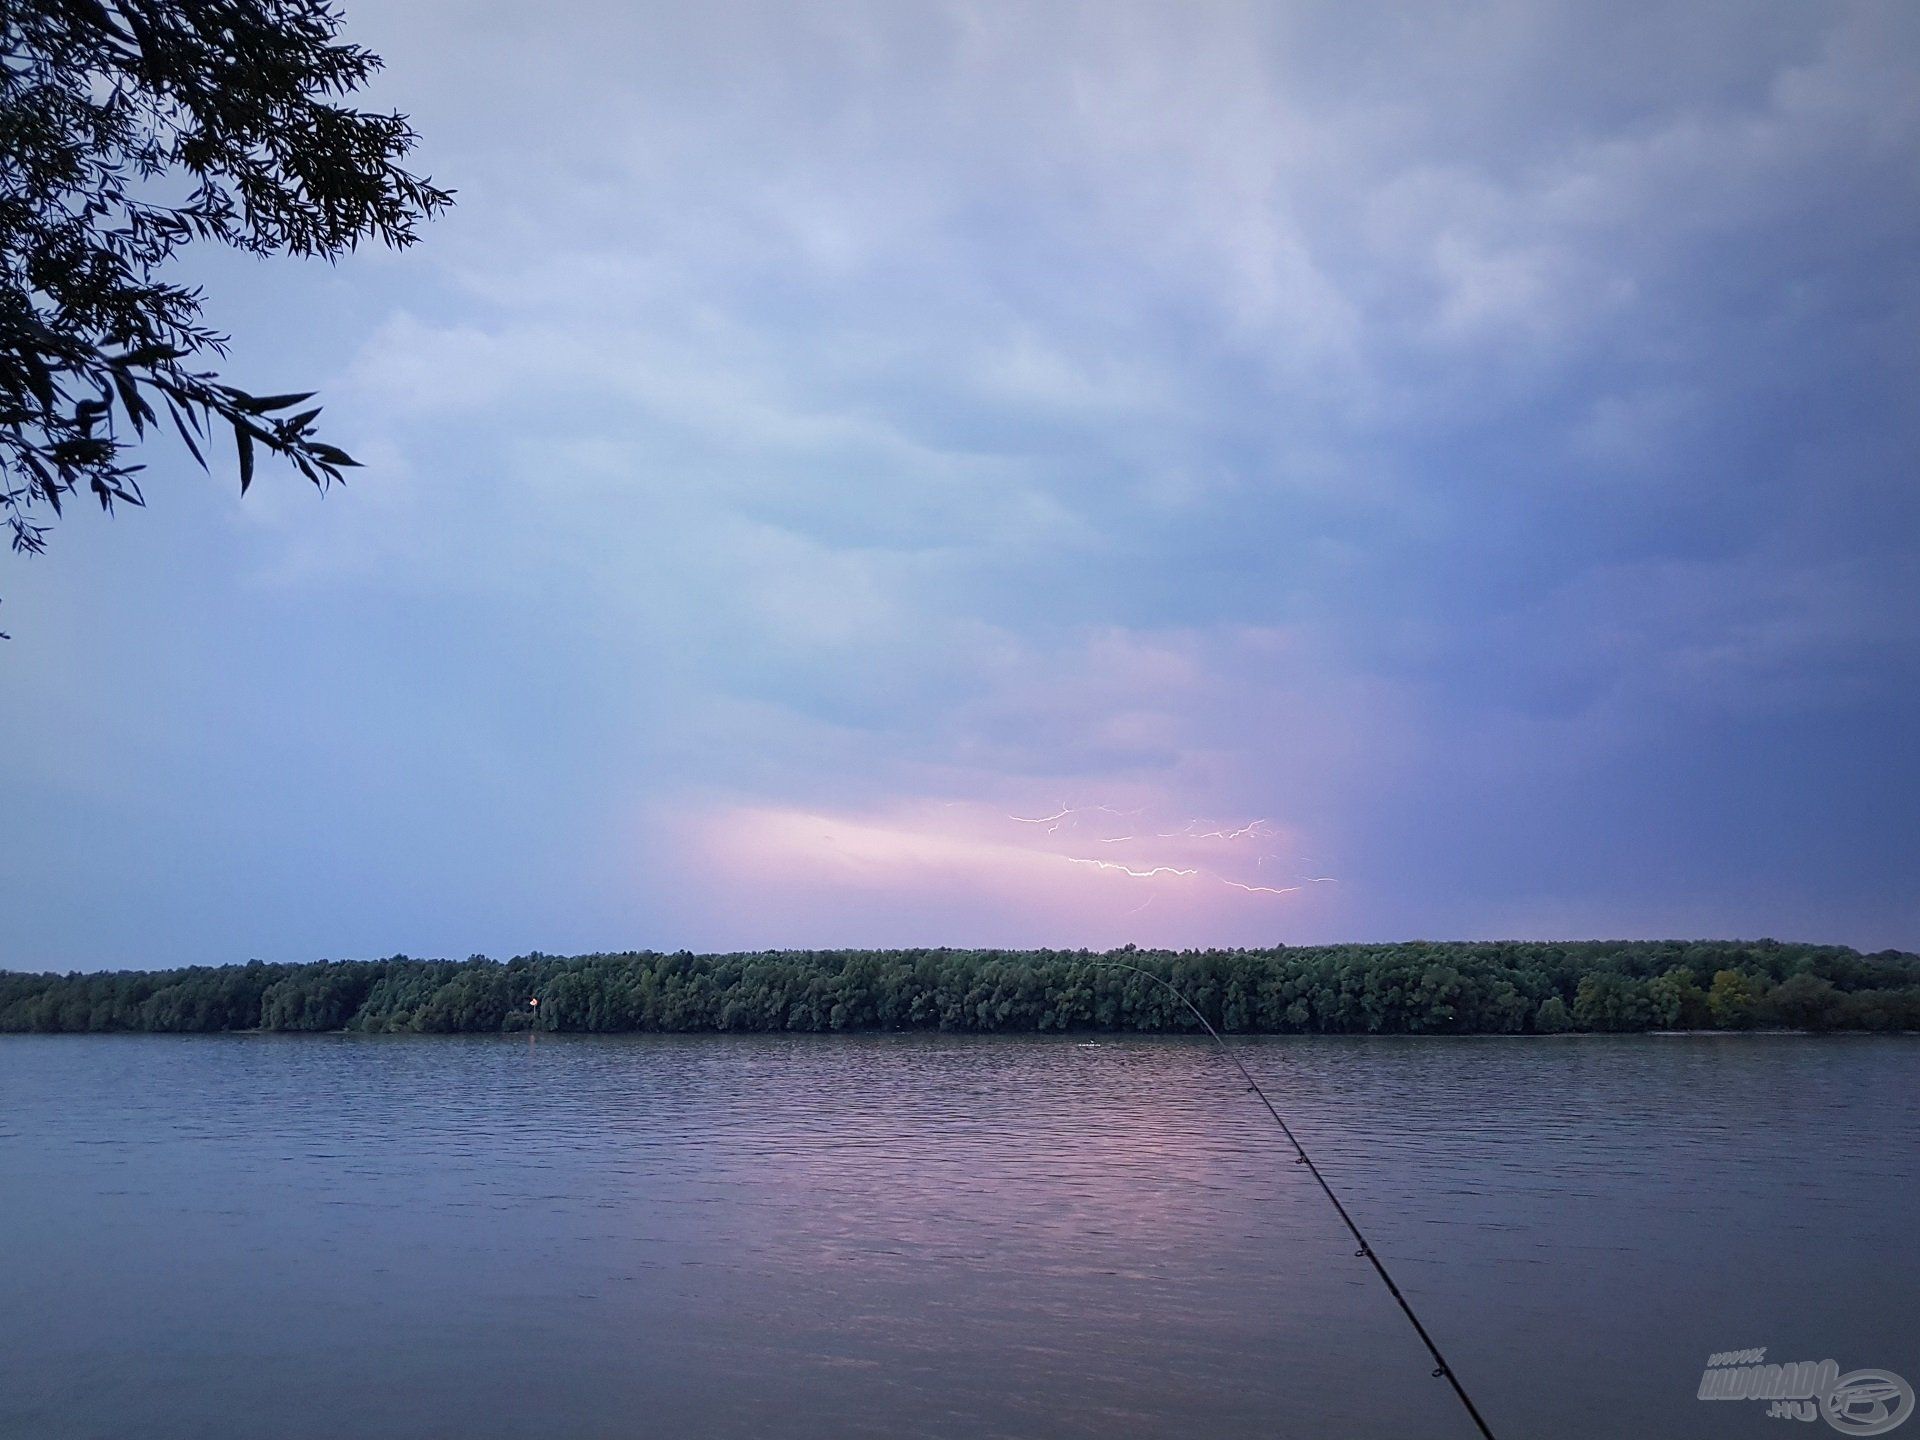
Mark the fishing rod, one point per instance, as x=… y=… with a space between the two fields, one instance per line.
x=1441 y=1369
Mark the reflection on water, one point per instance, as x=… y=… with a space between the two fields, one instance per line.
x=913 y=1235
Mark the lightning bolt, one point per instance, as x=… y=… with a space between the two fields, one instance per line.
x=1052 y=822
x=1066 y=813
x=1128 y=869
x=1253 y=830
x=1196 y=830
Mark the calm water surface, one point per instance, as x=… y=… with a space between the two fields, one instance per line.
x=258 y=1236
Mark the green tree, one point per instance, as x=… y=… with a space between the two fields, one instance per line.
x=1881 y=1010
x=1608 y=1000
x=1731 y=1000
x=1553 y=1017
x=128 y=130
x=1805 y=1001
x=1676 y=1001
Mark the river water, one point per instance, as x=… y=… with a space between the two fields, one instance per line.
x=348 y=1236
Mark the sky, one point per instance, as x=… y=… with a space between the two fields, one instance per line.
x=1048 y=474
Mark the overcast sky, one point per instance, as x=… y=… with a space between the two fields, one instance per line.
x=1035 y=474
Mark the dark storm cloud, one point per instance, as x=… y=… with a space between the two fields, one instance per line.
x=1477 y=441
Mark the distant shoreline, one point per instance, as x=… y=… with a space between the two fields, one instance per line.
x=1453 y=988
x=1064 y=1036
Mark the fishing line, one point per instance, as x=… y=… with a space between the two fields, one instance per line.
x=1441 y=1369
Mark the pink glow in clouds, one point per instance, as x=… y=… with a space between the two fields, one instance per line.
x=969 y=873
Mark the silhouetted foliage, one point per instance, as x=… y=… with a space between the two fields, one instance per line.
x=1421 y=988
x=128 y=129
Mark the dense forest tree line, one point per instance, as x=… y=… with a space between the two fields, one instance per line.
x=1420 y=988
